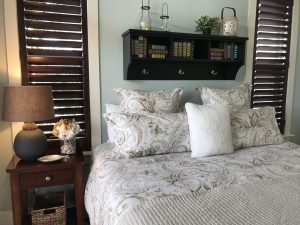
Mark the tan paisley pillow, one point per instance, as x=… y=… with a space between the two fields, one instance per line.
x=136 y=101
x=254 y=127
x=150 y=133
x=236 y=98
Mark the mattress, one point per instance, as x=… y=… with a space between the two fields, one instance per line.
x=116 y=185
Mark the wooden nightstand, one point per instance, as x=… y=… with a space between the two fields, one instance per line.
x=28 y=175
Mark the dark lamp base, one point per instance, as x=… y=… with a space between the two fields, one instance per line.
x=30 y=144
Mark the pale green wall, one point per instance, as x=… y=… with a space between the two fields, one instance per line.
x=117 y=16
x=5 y=128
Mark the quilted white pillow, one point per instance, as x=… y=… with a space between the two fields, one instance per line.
x=111 y=133
x=138 y=101
x=210 y=130
x=255 y=127
x=150 y=133
x=236 y=98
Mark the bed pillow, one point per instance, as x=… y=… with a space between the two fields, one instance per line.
x=255 y=127
x=137 y=101
x=236 y=98
x=150 y=133
x=210 y=130
x=111 y=108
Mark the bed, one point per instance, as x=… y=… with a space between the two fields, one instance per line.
x=217 y=163
x=118 y=186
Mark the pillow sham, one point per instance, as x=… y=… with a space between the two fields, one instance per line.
x=137 y=101
x=210 y=131
x=255 y=127
x=236 y=98
x=150 y=133
x=111 y=133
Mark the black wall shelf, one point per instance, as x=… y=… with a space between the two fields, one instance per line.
x=156 y=55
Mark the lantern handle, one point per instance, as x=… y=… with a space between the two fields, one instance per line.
x=234 y=12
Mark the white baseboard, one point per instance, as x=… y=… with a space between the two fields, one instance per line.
x=6 y=217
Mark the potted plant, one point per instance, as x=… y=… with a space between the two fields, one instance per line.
x=206 y=24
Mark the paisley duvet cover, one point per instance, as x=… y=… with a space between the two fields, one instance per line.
x=116 y=184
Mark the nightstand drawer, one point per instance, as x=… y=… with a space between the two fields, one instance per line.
x=47 y=178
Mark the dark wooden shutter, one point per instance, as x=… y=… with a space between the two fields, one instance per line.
x=53 y=51
x=271 y=55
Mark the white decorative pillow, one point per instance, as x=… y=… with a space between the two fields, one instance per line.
x=111 y=108
x=136 y=101
x=236 y=98
x=150 y=133
x=254 y=127
x=210 y=130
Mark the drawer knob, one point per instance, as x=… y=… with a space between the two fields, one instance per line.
x=144 y=71
x=47 y=178
x=213 y=72
x=180 y=72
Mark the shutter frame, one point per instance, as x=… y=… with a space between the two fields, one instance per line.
x=279 y=66
x=74 y=77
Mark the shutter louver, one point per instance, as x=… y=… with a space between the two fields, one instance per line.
x=271 y=55
x=53 y=44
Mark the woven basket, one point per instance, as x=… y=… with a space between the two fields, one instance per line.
x=49 y=209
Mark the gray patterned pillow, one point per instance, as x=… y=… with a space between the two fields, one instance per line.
x=254 y=127
x=236 y=98
x=136 y=101
x=150 y=133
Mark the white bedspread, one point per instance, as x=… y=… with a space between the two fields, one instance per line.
x=273 y=201
x=116 y=185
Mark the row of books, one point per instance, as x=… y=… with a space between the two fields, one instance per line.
x=227 y=52
x=183 y=49
x=216 y=54
x=231 y=51
x=139 y=47
x=157 y=51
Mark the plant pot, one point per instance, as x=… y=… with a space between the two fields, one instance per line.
x=207 y=31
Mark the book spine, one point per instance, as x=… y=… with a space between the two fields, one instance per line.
x=188 y=50
x=225 y=51
x=132 y=52
x=145 y=44
x=140 y=47
x=179 y=49
x=184 y=50
x=229 y=52
x=175 y=53
x=235 y=52
x=232 y=52
x=192 y=49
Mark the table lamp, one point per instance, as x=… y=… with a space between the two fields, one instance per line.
x=28 y=104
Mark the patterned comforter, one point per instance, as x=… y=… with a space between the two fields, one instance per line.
x=116 y=184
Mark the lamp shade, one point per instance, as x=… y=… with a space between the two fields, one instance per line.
x=27 y=103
